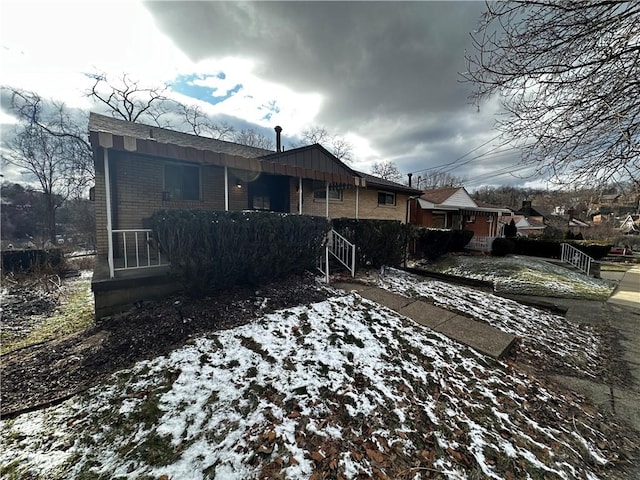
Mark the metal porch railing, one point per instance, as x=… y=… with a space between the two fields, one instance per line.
x=342 y=250
x=577 y=258
x=481 y=244
x=136 y=249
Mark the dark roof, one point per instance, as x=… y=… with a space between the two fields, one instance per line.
x=439 y=195
x=531 y=211
x=374 y=181
x=314 y=157
x=312 y=161
x=102 y=123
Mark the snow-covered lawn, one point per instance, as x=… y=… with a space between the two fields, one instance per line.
x=341 y=389
x=548 y=337
x=524 y=275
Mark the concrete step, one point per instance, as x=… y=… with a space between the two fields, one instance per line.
x=478 y=335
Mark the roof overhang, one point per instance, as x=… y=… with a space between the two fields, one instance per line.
x=427 y=205
x=154 y=148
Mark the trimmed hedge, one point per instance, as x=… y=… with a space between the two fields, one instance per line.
x=431 y=243
x=553 y=248
x=31 y=260
x=378 y=242
x=211 y=250
x=502 y=246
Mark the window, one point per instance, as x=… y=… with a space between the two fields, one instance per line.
x=386 y=198
x=261 y=203
x=334 y=194
x=181 y=182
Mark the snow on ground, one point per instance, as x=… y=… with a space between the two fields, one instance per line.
x=548 y=337
x=343 y=386
x=517 y=274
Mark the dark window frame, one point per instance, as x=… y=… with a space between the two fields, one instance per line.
x=319 y=195
x=189 y=189
x=386 y=195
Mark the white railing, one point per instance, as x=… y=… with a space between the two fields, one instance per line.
x=482 y=244
x=577 y=258
x=138 y=250
x=341 y=249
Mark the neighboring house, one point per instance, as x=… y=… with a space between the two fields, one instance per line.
x=610 y=199
x=526 y=227
x=568 y=222
x=454 y=208
x=532 y=213
x=630 y=224
x=141 y=169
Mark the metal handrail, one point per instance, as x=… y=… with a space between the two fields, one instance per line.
x=137 y=243
x=577 y=258
x=481 y=243
x=343 y=250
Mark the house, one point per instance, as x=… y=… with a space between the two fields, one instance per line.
x=526 y=226
x=453 y=208
x=630 y=225
x=141 y=169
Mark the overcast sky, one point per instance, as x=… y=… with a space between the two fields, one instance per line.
x=383 y=75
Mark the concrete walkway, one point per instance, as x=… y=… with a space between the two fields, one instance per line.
x=627 y=293
x=478 y=335
x=620 y=314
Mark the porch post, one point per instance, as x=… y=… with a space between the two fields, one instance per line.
x=226 y=188
x=300 y=195
x=107 y=189
x=357 y=200
x=326 y=198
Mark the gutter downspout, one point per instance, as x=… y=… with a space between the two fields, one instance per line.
x=107 y=189
x=226 y=188
x=299 y=195
x=326 y=198
x=406 y=229
x=357 y=200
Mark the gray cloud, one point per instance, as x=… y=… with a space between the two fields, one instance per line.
x=388 y=70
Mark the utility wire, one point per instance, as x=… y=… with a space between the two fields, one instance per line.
x=459 y=158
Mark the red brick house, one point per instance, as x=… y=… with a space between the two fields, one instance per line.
x=453 y=208
x=141 y=169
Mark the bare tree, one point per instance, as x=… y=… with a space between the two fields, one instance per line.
x=126 y=98
x=52 y=148
x=436 y=179
x=337 y=145
x=200 y=123
x=387 y=170
x=253 y=139
x=568 y=76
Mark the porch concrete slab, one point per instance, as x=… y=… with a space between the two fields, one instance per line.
x=478 y=335
x=426 y=314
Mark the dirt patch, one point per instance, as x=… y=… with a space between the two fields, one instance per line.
x=50 y=372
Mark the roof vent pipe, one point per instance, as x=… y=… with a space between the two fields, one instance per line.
x=409 y=175
x=278 y=129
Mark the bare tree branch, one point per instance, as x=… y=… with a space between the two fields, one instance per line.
x=567 y=75
x=337 y=145
x=50 y=146
x=387 y=170
x=127 y=99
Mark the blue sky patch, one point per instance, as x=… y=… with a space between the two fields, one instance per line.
x=185 y=84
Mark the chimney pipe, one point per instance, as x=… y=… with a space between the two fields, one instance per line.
x=278 y=129
x=409 y=175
